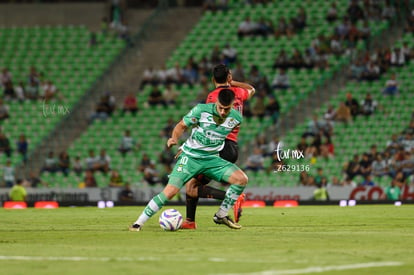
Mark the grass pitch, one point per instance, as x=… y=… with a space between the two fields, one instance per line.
x=368 y=239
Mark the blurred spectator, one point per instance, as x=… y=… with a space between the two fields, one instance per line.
x=9 y=91
x=368 y=105
x=281 y=61
x=352 y=168
x=130 y=104
x=407 y=142
x=352 y=104
x=156 y=98
x=272 y=108
x=51 y=164
x=317 y=126
x=5 y=77
x=151 y=174
x=281 y=80
x=259 y=107
x=89 y=179
x=393 y=145
x=332 y=14
x=272 y=146
x=255 y=161
x=18 y=192
x=238 y=73
x=356 y=70
x=115 y=179
x=32 y=91
x=22 y=147
x=8 y=174
x=397 y=57
x=5 y=145
x=365 y=166
x=321 y=193
x=4 y=111
x=77 y=166
x=368 y=181
x=19 y=90
x=391 y=86
x=64 y=163
x=327 y=148
x=319 y=176
x=300 y=20
x=145 y=162
x=214 y=5
x=246 y=28
x=168 y=128
x=149 y=77
x=354 y=11
x=166 y=156
x=103 y=162
x=304 y=178
x=126 y=194
x=49 y=90
x=34 y=180
x=91 y=161
x=296 y=61
x=409 y=25
x=127 y=143
x=103 y=109
x=371 y=72
x=392 y=192
x=170 y=95
x=230 y=54
x=388 y=12
x=330 y=115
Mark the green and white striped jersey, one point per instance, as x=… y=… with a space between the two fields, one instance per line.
x=209 y=131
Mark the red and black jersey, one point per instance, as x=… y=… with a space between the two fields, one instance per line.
x=241 y=95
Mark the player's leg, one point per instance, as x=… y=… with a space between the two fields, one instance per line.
x=176 y=181
x=198 y=188
x=222 y=170
x=154 y=205
x=238 y=180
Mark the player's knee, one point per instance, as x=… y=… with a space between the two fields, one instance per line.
x=241 y=178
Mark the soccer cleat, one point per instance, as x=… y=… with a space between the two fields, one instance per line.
x=135 y=227
x=237 y=208
x=226 y=221
x=187 y=224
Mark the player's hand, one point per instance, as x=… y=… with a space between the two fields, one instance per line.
x=171 y=142
x=178 y=154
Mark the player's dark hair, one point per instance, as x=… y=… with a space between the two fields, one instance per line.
x=220 y=73
x=226 y=97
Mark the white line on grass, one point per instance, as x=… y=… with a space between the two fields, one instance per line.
x=318 y=269
x=123 y=259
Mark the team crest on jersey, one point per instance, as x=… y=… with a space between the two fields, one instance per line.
x=232 y=122
x=193 y=120
x=180 y=168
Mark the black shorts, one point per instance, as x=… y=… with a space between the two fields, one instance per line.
x=230 y=153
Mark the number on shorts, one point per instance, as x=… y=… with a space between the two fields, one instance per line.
x=184 y=160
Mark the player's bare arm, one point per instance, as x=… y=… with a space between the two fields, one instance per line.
x=178 y=131
x=243 y=85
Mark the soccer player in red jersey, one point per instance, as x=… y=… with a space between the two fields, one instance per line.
x=197 y=187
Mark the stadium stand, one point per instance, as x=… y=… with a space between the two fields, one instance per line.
x=257 y=51
x=61 y=54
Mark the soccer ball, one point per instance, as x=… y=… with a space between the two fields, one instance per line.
x=171 y=220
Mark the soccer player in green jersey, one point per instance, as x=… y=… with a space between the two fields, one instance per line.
x=200 y=155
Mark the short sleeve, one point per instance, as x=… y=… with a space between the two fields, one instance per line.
x=192 y=117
